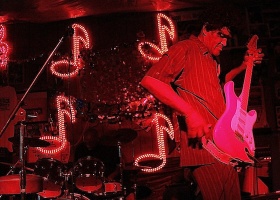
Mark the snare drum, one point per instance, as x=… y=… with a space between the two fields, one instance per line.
x=52 y=172
x=89 y=174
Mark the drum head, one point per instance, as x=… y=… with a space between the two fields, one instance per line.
x=10 y=184
x=88 y=174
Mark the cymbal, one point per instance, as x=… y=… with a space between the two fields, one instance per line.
x=18 y=165
x=32 y=142
x=151 y=163
x=123 y=136
x=135 y=168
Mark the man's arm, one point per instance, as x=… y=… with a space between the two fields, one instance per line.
x=197 y=127
x=257 y=59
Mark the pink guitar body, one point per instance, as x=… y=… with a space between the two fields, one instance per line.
x=233 y=132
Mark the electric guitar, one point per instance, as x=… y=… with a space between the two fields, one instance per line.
x=232 y=134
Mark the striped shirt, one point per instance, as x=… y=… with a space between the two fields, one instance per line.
x=191 y=68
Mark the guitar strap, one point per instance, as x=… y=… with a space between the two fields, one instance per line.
x=217 y=153
x=200 y=100
x=208 y=144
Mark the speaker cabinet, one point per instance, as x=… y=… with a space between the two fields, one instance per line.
x=267 y=145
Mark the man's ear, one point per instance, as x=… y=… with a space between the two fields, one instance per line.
x=203 y=30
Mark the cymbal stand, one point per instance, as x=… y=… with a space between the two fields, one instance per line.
x=22 y=160
x=121 y=165
x=69 y=190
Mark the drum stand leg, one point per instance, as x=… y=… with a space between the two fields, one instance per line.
x=121 y=167
x=135 y=190
x=22 y=160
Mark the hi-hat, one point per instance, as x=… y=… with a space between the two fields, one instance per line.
x=32 y=142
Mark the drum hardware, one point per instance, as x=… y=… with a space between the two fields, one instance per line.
x=52 y=172
x=74 y=196
x=27 y=182
x=10 y=182
x=16 y=165
x=137 y=190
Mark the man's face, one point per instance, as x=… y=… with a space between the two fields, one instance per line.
x=216 y=40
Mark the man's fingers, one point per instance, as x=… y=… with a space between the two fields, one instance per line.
x=207 y=128
x=208 y=131
x=192 y=133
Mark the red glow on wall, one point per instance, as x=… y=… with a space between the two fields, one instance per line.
x=153 y=52
x=3 y=48
x=160 y=129
x=70 y=67
x=64 y=108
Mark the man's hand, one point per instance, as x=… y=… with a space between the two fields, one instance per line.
x=256 y=55
x=197 y=127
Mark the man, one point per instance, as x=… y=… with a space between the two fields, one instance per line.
x=186 y=78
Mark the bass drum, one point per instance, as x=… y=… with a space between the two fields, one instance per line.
x=73 y=196
x=88 y=174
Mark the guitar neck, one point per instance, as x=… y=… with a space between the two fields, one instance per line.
x=246 y=87
x=252 y=45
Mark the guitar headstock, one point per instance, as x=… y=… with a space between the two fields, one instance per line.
x=252 y=44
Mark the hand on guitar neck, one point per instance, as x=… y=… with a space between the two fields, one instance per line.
x=254 y=55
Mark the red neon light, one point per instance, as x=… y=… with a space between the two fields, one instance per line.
x=80 y=40
x=3 y=48
x=160 y=138
x=163 y=30
x=64 y=107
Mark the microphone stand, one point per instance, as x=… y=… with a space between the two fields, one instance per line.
x=12 y=115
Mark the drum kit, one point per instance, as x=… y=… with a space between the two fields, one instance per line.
x=51 y=179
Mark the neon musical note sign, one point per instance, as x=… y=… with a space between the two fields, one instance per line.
x=160 y=140
x=64 y=108
x=80 y=40
x=162 y=29
x=3 y=48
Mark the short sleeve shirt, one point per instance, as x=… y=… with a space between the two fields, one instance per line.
x=191 y=68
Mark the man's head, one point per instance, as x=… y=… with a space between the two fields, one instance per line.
x=215 y=40
x=218 y=23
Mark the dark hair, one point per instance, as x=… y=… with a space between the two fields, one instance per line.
x=221 y=15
